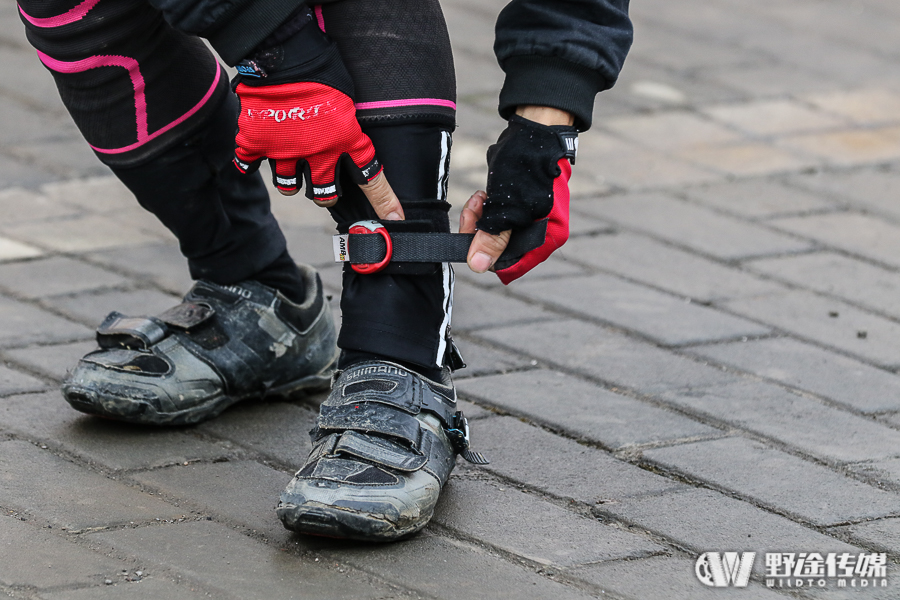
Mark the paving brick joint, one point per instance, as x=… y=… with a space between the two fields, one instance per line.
x=709 y=365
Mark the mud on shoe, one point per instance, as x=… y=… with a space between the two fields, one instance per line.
x=221 y=345
x=384 y=445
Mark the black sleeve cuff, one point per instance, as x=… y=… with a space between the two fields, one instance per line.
x=553 y=82
x=248 y=24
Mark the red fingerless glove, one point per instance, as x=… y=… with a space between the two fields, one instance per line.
x=307 y=128
x=297 y=112
x=528 y=182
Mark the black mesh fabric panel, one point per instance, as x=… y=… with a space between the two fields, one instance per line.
x=395 y=50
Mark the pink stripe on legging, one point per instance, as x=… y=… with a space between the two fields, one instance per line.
x=76 y=14
x=319 y=17
x=137 y=82
x=129 y=64
x=410 y=102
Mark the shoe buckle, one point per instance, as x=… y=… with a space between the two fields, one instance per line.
x=458 y=432
x=368 y=227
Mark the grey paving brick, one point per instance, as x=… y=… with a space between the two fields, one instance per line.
x=482 y=359
x=19 y=205
x=607 y=355
x=160 y=262
x=659 y=577
x=52 y=361
x=309 y=244
x=55 y=275
x=641 y=258
x=768 y=79
x=872 y=190
x=442 y=568
x=560 y=466
x=808 y=315
x=880 y=472
x=778 y=480
x=49 y=419
x=95 y=194
x=16 y=382
x=240 y=492
x=810 y=368
x=147 y=588
x=882 y=534
x=582 y=409
x=662 y=317
x=58 y=491
x=476 y=308
x=759 y=199
x=792 y=419
x=22 y=324
x=34 y=557
x=62 y=158
x=701 y=520
x=864 y=235
x=24 y=125
x=692 y=226
x=93 y=308
x=830 y=273
x=535 y=529
x=207 y=553
x=81 y=234
x=277 y=430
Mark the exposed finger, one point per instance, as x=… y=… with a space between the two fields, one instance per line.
x=285 y=172
x=486 y=249
x=471 y=212
x=383 y=199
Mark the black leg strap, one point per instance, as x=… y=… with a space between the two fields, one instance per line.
x=360 y=247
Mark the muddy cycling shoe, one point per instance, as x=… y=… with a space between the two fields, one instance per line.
x=220 y=346
x=384 y=444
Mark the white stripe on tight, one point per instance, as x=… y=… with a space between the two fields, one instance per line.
x=449 y=278
x=446 y=269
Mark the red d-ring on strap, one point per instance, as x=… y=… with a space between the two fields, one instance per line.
x=366 y=227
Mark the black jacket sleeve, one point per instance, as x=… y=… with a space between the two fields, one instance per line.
x=561 y=53
x=233 y=27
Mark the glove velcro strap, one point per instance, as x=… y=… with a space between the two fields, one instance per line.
x=357 y=248
x=136 y=333
x=371 y=417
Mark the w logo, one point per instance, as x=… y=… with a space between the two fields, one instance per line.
x=721 y=570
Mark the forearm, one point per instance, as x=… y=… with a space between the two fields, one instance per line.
x=545 y=115
x=561 y=54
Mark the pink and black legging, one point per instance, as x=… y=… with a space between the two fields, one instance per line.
x=155 y=106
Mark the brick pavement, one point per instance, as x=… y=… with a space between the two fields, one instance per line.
x=709 y=365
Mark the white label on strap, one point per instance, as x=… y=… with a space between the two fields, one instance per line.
x=339 y=244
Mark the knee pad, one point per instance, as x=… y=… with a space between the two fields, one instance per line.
x=133 y=84
x=399 y=56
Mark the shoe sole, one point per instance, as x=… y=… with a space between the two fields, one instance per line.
x=332 y=522
x=132 y=410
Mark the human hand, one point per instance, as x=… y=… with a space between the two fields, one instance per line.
x=529 y=170
x=297 y=113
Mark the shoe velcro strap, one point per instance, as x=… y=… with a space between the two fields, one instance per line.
x=187 y=315
x=381 y=383
x=434 y=247
x=382 y=451
x=136 y=333
x=370 y=417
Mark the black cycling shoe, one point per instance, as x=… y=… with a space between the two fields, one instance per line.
x=223 y=344
x=384 y=445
